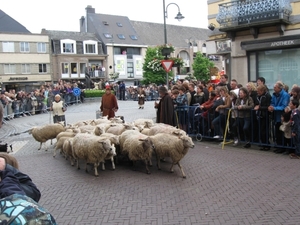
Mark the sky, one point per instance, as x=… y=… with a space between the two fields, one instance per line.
x=65 y=14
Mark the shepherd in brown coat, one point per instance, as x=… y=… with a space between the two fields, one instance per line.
x=109 y=104
x=141 y=98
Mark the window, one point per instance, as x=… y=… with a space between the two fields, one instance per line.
x=121 y=36
x=68 y=48
x=25 y=68
x=24 y=46
x=42 y=68
x=130 y=69
x=133 y=37
x=90 y=48
x=8 y=47
x=9 y=68
x=119 y=24
x=41 y=47
x=65 y=68
x=107 y=35
x=74 y=68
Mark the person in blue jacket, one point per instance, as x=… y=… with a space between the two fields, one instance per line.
x=280 y=99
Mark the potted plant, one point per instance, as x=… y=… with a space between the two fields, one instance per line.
x=166 y=49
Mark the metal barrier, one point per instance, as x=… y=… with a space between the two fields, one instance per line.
x=259 y=130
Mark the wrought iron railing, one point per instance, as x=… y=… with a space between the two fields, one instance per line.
x=242 y=12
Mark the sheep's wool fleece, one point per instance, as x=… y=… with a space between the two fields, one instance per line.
x=167 y=145
x=88 y=147
x=47 y=132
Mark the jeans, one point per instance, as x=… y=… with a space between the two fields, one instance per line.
x=242 y=126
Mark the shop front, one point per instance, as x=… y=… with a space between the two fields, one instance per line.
x=274 y=59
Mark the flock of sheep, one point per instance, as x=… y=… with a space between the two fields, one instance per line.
x=99 y=140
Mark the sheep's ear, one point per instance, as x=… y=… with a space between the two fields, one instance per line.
x=175 y=132
x=142 y=139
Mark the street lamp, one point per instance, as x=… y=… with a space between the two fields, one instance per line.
x=179 y=17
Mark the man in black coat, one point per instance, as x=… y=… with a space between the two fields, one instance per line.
x=165 y=107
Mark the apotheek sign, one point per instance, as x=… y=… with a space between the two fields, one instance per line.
x=269 y=44
x=18 y=78
x=282 y=43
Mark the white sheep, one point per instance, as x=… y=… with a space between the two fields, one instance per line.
x=114 y=139
x=65 y=134
x=164 y=128
x=138 y=147
x=146 y=122
x=92 y=149
x=118 y=129
x=168 y=145
x=59 y=144
x=87 y=129
x=125 y=135
x=67 y=150
x=46 y=132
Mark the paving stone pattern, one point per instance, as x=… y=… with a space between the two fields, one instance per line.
x=230 y=186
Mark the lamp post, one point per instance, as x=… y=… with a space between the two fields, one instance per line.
x=179 y=17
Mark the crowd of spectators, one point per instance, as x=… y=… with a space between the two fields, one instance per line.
x=247 y=114
x=21 y=103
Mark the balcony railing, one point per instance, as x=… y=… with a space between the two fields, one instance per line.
x=245 y=13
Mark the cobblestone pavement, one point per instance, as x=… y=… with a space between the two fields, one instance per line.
x=230 y=186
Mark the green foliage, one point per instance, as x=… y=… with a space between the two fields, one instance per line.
x=201 y=67
x=91 y=93
x=153 y=70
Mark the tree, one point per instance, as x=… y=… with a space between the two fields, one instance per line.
x=201 y=67
x=153 y=71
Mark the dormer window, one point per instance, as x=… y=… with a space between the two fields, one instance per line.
x=133 y=37
x=68 y=46
x=90 y=47
x=107 y=35
x=119 y=24
x=121 y=36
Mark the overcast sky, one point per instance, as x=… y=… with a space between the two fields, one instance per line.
x=65 y=14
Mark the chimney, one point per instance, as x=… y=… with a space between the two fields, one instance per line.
x=82 y=24
x=90 y=9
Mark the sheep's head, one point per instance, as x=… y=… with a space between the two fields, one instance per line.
x=148 y=124
x=187 y=141
x=147 y=144
x=179 y=133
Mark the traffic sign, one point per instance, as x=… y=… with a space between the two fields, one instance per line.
x=76 y=91
x=167 y=65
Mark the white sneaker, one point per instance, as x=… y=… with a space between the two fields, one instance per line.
x=216 y=137
x=236 y=142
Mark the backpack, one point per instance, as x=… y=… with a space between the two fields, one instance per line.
x=19 y=209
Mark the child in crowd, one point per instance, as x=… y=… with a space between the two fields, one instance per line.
x=295 y=122
x=285 y=127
